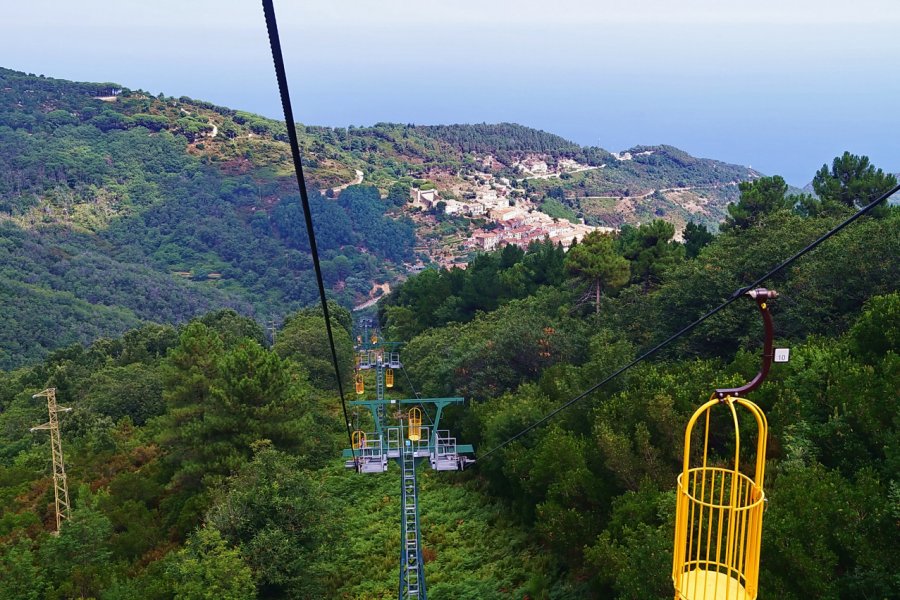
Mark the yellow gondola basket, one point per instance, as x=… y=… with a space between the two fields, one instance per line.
x=415 y=424
x=389 y=378
x=718 y=517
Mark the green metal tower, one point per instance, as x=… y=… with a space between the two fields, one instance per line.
x=409 y=445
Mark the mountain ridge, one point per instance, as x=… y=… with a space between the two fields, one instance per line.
x=161 y=208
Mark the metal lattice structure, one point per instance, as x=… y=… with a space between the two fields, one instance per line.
x=719 y=510
x=60 y=486
x=412 y=565
x=409 y=445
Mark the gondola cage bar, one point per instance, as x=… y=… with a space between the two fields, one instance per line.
x=719 y=509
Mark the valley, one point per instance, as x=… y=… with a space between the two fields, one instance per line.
x=198 y=202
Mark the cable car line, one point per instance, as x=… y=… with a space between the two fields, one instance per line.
x=409 y=381
x=278 y=59
x=275 y=43
x=737 y=294
x=413 y=390
x=741 y=540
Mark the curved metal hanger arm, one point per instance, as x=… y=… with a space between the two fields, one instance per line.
x=761 y=295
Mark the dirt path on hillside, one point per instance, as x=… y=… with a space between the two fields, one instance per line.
x=385 y=289
x=556 y=175
x=358 y=180
x=714 y=186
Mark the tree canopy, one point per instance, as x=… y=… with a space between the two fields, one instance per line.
x=758 y=198
x=596 y=264
x=851 y=181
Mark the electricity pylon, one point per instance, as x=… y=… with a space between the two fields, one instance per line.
x=60 y=487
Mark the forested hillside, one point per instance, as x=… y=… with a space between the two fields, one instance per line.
x=118 y=207
x=116 y=200
x=204 y=463
x=595 y=486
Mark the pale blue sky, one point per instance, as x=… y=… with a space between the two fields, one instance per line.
x=783 y=86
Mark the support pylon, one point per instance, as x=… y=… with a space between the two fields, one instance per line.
x=412 y=563
x=60 y=487
x=409 y=445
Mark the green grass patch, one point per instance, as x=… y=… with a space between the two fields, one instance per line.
x=558 y=210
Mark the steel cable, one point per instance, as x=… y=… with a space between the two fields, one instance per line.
x=278 y=59
x=683 y=331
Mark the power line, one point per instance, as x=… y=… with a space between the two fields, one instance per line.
x=278 y=59
x=737 y=294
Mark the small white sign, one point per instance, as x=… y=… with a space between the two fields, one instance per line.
x=782 y=355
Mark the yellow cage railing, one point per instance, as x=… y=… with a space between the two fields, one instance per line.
x=415 y=424
x=718 y=515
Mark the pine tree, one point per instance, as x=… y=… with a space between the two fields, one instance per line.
x=595 y=263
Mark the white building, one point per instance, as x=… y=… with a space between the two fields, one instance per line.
x=425 y=198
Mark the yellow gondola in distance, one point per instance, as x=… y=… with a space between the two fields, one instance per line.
x=415 y=424
x=359 y=439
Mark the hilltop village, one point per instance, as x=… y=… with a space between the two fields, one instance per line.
x=499 y=210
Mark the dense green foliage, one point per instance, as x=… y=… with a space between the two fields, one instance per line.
x=107 y=202
x=507 y=140
x=594 y=489
x=695 y=238
x=436 y=298
x=758 y=198
x=230 y=506
x=595 y=485
x=301 y=339
x=852 y=181
x=558 y=210
x=203 y=463
x=597 y=266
